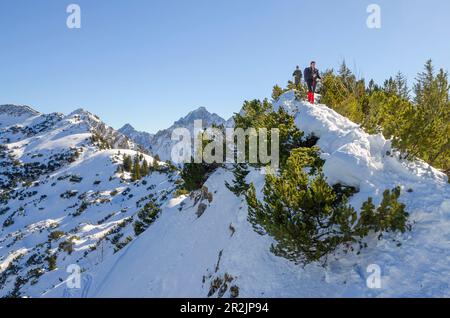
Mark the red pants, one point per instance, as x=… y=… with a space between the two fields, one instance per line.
x=311 y=97
x=311 y=90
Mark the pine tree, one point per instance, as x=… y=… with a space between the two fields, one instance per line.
x=368 y=218
x=309 y=219
x=402 y=86
x=419 y=127
x=333 y=91
x=397 y=86
x=144 y=168
x=432 y=118
x=346 y=76
x=253 y=114
x=154 y=165
x=397 y=120
x=372 y=87
x=344 y=93
x=277 y=92
x=146 y=216
x=301 y=213
x=194 y=175
x=127 y=163
x=300 y=90
x=390 y=86
x=290 y=137
x=136 y=173
x=390 y=216
x=260 y=114
x=239 y=186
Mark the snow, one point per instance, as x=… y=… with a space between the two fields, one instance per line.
x=14 y=114
x=178 y=255
x=5 y=263
x=39 y=209
x=181 y=254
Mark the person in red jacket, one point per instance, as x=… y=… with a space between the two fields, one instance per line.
x=311 y=74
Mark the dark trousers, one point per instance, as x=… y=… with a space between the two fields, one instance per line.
x=311 y=85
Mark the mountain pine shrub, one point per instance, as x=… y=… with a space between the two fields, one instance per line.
x=260 y=114
x=419 y=126
x=239 y=185
x=390 y=216
x=146 y=216
x=194 y=175
x=277 y=91
x=300 y=90
x=308 y=219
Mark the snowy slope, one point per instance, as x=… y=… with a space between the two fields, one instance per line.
x=13 y=114
x=218 y=253
x=63 y=198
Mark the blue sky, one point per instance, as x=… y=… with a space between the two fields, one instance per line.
x=149 y=62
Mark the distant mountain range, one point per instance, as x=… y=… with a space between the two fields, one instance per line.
x=160 y=144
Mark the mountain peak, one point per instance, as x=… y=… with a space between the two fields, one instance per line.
x=84 y=115
x=127 y=127
x=18 y=110
x=197 y=114
x=200 y=109
x=142 y=138
x=80 y=111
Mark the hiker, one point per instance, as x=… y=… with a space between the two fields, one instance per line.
x=297 y=76
x=311 y=77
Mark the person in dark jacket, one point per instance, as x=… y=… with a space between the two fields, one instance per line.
x=311 y=77
x=297 y=76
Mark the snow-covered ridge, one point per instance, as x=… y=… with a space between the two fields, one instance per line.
x=93 y=123
x=218 y=253
x=17 y=110
x=11 y=115
x=203 y=245
x=55 y=178
x=352 y=155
